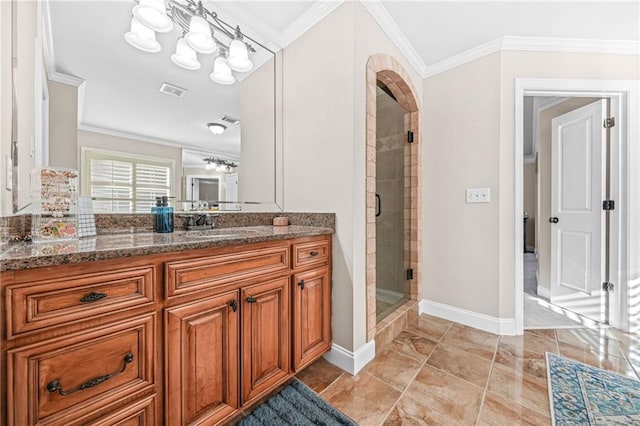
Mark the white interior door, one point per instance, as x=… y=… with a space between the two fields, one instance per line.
x=232 y=192
x=578 y=188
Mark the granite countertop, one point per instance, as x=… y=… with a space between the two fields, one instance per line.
x=24 y=255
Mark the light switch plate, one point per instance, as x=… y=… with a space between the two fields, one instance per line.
x=478 y=195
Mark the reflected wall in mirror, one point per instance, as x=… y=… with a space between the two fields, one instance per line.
x=138 y=124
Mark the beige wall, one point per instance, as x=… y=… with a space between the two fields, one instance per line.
x=530 y=195
x=256 y=178
x=324 y=145
x=5 y=103
x=469 y=141
x=461 y=150
x=538 y=65
x=63 y=125
x=115 y=143
x=544 y=182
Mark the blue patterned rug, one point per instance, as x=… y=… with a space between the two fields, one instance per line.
x=297 y=405
x=585 y=395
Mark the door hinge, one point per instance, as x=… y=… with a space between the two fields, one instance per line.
x=609 y=122
x=410 y=136
x=608 y=205
x=607 y=286
x=410 y=274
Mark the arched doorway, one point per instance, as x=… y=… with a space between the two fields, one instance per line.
x=386 y=76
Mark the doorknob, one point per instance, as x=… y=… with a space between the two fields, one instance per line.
x=553 y=220
x=378 y=205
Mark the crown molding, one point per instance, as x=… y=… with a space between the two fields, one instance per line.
x=616 y=47
x=59 y=77
x=389 y=26
x=308 y=19
x=534 y=44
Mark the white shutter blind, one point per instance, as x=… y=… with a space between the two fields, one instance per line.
x=151 y=181
x=122 y=184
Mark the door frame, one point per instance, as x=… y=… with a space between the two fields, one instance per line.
x=624 y=252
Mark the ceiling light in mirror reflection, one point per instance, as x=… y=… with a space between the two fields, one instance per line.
x=203 y=33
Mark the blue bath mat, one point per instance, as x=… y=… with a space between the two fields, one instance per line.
x=585 y=395
x=297 y=405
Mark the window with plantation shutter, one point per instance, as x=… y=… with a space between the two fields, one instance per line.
x=121 y=183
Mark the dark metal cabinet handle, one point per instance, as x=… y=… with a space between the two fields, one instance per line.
x=554 y=220
x=55 y=385
x=93 y=297
x=301 y=284
x=234 y=305
x=314 y=253
x=251 y=299
x=378 y=205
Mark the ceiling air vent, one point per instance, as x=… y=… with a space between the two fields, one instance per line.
x=230 y=119
x=172 y=90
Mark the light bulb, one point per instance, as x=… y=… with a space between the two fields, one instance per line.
x=239 y=56
x=153 y=14
x=209 y=166
x=199 y=36
x=142 y=37
x=221 y=72
x=185 y=57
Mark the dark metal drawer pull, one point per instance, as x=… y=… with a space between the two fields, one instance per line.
x=301 y=284
x=251 y=299
x=314 y=253
x=93 y=297
x=55 y=385
x=234 y=305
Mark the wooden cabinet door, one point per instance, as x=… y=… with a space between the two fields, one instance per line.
x=202 y=360
x=311 y=316
x=265 y=337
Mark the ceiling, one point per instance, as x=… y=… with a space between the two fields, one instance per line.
x=88 y=43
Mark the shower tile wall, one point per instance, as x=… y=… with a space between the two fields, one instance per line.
x=389 y=186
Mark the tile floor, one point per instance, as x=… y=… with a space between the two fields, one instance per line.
x=439 y=372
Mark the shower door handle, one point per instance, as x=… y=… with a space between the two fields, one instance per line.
x=378 y=205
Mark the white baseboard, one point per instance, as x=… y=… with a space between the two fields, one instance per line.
x=502 y=326
x=351 y=362
x=544 y=292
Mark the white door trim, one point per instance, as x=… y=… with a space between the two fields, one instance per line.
x=625 y=249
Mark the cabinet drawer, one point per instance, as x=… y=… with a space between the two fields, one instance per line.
x=310 y=253
x=40 y=304
x=186 y=276
x=137 y=414
x=64 y=380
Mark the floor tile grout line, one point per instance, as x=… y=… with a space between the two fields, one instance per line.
x=333 y=382
x=486 y=386
x=406 y=388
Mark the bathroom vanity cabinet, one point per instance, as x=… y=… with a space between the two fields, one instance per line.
x=180 y=338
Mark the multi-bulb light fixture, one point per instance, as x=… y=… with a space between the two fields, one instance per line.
x=219 y=165
x=202 y=32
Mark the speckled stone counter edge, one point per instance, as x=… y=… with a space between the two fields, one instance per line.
x=16 y=227
x=25 y=255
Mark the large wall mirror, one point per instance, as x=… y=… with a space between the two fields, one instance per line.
x=141 y=113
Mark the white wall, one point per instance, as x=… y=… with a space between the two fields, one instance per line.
x=324 y=145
